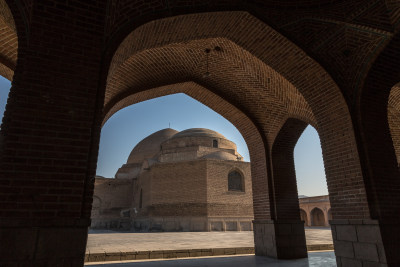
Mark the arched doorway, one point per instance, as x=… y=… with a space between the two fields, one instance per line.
x=317 y=217
x=303 y=216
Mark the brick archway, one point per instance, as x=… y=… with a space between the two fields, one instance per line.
x=59 y=91
x=264 y=82
x=278 y=55
x=256 y=143
x=374 y=122
x=317 y=217
x=380 y=91
x=284 y=175
x=169 y=65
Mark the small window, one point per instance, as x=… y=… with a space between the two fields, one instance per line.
x=215 y=143
x=235 y=181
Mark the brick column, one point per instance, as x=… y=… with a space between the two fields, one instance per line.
x=380 y=237
x=359 y=243
x=283 y=237
x=50 y=136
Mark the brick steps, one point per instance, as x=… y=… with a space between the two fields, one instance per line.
x=180 y=253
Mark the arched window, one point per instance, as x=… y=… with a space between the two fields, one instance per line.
x=215 y=143
x=235 y=181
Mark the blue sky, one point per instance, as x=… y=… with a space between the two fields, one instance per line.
x=130 y=125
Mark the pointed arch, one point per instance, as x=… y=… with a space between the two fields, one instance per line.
x=256 y=142
x=317 y=217
x=314 y=97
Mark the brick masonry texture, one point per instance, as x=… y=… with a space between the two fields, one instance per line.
x=334 y=65
x=176 y=181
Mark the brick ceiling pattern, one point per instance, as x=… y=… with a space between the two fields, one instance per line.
x=171 y=50
x=8 y=42
x=350 y=32
x=232 y=71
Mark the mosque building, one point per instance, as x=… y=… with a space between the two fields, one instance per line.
x=193 y=180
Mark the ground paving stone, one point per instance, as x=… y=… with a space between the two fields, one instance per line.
x=315 y=259
x=111 y=241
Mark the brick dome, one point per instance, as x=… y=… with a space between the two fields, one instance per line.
x=169 y=145
x=198 y=132
x=150 y=146
x=198 y=137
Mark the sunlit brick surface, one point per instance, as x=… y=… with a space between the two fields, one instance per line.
x=331 y=64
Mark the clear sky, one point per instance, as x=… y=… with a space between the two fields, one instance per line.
x=130 y=125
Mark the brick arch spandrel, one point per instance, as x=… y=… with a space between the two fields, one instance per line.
x=294 y=65
x=232 y=71
x=394 y=119
x=250 y=132
x=8 y=42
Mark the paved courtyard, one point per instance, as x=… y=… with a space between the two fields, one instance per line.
x=110 y=241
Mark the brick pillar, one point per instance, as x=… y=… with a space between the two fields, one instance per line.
x=283 y=237
x=376 y=242
x=50 y=136
x=359 y=243
x=326 y=216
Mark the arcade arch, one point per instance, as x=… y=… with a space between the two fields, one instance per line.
x=304 y=217
x=243 y=123
x=186 y=55
x=264 y=83
x=317 y=217
x=330 y=113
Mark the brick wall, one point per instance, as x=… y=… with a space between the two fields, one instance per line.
x=114 y=194
x=221 y=201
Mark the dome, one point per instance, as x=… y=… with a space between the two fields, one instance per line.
x=150 y=146
x=194 y=143
x=198 y=132
x=222 y=155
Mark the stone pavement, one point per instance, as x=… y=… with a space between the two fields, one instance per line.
x=315 y=259
x=109 y=245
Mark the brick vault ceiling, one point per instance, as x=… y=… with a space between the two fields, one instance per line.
x=234 y=72
x=8 y=42
x=345 y=37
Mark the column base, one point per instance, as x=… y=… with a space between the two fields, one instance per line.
x=43 y=246
x=283 y=239
x=362 y=243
